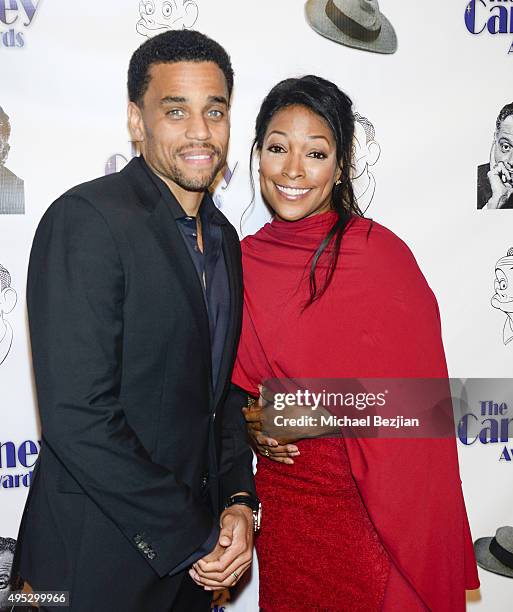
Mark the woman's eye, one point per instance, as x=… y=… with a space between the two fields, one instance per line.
x=318 y=155
x=275 y=149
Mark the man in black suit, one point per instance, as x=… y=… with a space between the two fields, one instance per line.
x=134 y=299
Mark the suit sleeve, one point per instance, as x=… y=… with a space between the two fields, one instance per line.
x=236 y=467
x=75 y=295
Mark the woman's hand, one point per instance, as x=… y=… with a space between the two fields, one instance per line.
x=281 y=450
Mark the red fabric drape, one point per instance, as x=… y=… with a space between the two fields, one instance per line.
x=378 y=318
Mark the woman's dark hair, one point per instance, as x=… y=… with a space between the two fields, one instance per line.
x=335 y=107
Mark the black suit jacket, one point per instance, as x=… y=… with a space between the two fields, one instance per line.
x=137 y=453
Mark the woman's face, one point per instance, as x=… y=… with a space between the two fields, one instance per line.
x=298 y=164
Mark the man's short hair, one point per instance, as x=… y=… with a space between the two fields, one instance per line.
x=5 y=278
x=168 y=48
x=506 y=111
x=370 y=132
x=7 y=545
x=5 y=126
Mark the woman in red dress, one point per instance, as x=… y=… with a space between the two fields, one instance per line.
x=354 y=525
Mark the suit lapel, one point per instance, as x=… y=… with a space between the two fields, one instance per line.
x=162 y=224
x=231 y=251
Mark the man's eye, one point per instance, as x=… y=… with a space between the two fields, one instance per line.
x=150 y=8
x=503 y=284
x=167 y=9
x=175 y=113
x=505 y=147
x=216 y=114
x=318 y=155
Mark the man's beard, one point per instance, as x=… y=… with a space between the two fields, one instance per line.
x=199 y=181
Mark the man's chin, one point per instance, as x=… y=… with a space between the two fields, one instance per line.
x=195 y=184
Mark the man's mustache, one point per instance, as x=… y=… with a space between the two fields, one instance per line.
x=199 y=147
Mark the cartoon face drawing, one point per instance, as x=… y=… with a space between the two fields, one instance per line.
x=12 y=195
x=7 y=548
x=160 y=15
x=503 y=297
x=366 y=149
x=8 y=299
x=366 y=153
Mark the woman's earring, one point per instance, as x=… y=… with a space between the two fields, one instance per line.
x=339 y=182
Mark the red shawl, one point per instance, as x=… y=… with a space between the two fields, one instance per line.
x=378 y=318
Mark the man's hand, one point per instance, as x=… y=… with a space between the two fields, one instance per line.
x=501 y=182
x=233 y=553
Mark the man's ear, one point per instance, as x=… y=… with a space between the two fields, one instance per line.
x=8 y=299
x=135 y=122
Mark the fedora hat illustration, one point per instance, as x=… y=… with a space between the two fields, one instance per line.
x=496 y=554
x=354 y=23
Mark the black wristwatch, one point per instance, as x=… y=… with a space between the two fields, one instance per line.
x=251 y=502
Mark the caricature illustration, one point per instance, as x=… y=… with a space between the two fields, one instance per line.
x=160 y=15
x=12 y=195
x=359 y=24
x=495 y=179
x=503 y=297
x=7 y=548
x=8 y=299
x=495 y=553
x=366 y=154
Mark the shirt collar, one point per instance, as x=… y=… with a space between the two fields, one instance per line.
x=208 y=210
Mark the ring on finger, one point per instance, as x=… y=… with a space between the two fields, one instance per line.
x=266 y=452
x=235 y=575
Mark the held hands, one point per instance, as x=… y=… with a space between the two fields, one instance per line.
x=501 y=182
x=281 y=449
x=232 y=555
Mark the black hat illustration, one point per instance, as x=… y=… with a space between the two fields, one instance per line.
x=496 y=554
x=354 y=23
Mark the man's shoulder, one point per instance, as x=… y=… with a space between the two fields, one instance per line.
x=110 y=194
x=112 y=197
x=108 y=188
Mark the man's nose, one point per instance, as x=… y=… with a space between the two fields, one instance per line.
x=293 y=167
x=197 y=128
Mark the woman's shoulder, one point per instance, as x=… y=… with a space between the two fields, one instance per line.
x=381 y=254
x=252 y=240
x=376 y=240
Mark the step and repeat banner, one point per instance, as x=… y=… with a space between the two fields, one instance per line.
x=433 y=89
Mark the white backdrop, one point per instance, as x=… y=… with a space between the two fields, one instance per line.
x=433 y=105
